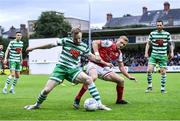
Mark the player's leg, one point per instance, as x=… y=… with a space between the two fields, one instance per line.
x=50 y=85
x=56 y=78
x=113 y=77
x=92 y=73
x=85 y=79
x=163 y=65
x=16 y=77
x=150 y=68
x=12 y=67
x=149 y=78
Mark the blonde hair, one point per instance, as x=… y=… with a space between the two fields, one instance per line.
x=75 y=31
x=124 y=38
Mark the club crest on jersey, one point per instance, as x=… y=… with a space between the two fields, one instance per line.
x=74 y=53
x=18 y=50
x=159 y=42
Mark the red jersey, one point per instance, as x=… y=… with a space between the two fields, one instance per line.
x=108 y=52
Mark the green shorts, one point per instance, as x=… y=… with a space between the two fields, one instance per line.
x=14 y=66
x=161 y=60
x=62 y=72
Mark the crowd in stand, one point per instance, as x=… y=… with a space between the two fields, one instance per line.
x=134 y=59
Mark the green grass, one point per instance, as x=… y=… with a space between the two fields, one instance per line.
x=58 y=106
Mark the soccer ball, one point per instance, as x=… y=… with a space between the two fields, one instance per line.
x=90 y=104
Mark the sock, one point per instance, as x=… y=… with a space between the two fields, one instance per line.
x=163 y=81
x=8 y=81
x=120 y=91
x=81 y=92
x=42 y=97
x=14 y=82
x=94 y=92
x=149 y=79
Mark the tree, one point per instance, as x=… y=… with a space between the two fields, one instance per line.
x=51 y=24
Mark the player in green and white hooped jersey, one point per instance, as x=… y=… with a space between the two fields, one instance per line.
x=13 y=55
x=68 y=68
x=160 y=40
x=1 y=58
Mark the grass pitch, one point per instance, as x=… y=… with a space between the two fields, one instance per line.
x=58 y=106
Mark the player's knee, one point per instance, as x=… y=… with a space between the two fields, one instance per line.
x=149 y=71
x=163 y=71
x=89 y=80
x=94 y=78
x=121 y=82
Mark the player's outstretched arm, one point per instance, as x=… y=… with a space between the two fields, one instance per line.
x=6 y=56
x=171 y=53
x=124 y=72
x=147 y=50
x=47 y=46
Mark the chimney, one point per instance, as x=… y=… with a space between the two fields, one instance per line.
x=109 y=17
x=144 y=9
x=22 y=26
x=166 y=6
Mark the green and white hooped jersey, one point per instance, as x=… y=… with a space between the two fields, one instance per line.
x=1 y=55
x=159 y=41
x=71 y=53
x=15 y=50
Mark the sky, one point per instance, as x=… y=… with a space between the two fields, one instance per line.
x=16 y=12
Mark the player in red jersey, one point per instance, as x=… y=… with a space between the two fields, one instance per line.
x=109 y=52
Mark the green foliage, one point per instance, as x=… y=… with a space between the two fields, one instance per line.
x=25 y=45
x=58 y=106
x=51 y=24
x=4 y=42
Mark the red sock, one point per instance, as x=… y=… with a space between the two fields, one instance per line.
x=120 y=91
x=81 y=92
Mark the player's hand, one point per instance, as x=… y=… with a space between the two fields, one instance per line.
x=97 y=58
x=146 y=55
x=5 y=66
x=29 y=49
x=132 y=78
x=171 y=55
x=5 y=61
x=109 y=65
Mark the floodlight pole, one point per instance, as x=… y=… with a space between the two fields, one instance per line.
x=90 y=41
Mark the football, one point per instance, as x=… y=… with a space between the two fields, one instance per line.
x=90 y=104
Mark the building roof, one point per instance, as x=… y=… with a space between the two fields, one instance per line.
x=154 y=15
x=123 y=21
x=149 y=17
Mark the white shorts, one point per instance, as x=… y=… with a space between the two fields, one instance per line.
x=101 y=71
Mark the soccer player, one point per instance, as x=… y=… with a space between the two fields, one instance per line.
x=13 y=54
x=159 y=40
x=68 y=67
x=108 y=51
x=1 y=58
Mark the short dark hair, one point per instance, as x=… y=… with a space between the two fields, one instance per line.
x=18 y=32
x=159 y=21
